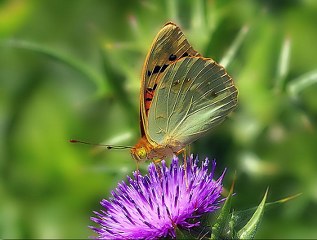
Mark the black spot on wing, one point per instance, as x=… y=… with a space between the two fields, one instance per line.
x=158 y=69
x=185 y=54
x=214 y=94
x=164 y=67
x=172 y=57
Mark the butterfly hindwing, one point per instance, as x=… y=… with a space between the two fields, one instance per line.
x=193 y=95
x=169 y=46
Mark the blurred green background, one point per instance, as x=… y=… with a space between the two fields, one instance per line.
x=71 y=69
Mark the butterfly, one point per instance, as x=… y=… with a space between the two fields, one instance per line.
x=183 y=95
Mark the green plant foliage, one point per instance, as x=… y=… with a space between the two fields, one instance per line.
x=249 y=230
x=218 y=228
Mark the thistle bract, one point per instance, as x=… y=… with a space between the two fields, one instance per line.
x=152 y=206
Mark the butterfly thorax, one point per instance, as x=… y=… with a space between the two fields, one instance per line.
x=145 y=150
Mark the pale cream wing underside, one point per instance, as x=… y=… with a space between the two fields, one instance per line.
x=193 y=96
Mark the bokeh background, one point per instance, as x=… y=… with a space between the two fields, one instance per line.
x=71 y=69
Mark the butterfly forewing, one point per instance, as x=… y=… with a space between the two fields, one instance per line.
x=192 y=96
x=169 y=46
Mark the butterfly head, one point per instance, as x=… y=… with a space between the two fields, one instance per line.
x=139 y=153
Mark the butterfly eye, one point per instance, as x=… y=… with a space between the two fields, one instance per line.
x=141 y=152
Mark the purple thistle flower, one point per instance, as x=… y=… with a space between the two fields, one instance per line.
x=151 y=206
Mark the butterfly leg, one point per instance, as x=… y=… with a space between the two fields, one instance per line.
x=188 y=152
x=137 y=170
x=183 y=151
x=157 y=163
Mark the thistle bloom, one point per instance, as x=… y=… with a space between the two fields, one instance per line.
x=151 y=206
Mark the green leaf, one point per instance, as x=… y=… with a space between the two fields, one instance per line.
x=301 y=83
x=79 y=66
x=249 y=230
x=229 y=55
x=281 y=201
x=182 y=234
x=222 y=219
x=116 y=82
x=283 y=65
x=240 y=218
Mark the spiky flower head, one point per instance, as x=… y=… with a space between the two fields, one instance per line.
x=152 y=206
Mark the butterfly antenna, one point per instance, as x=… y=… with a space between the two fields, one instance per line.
x=101 y=145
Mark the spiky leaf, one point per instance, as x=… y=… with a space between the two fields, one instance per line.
x=222 y=219
x=249 y=230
